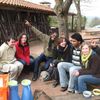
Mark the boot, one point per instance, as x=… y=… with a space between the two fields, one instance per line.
x=35 y=77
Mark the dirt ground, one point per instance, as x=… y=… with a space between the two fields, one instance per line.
x=55 y=93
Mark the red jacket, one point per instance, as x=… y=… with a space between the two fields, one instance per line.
x=23 y=52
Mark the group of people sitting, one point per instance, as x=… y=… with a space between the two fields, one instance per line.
x=72 y=64
x=14 y=54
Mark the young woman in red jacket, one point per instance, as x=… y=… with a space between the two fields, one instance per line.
x=23 y=51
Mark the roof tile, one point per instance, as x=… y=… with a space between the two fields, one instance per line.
x=25 y=4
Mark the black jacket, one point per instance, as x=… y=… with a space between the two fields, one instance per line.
x=93 y=67
x=97 y=50
x=63 y=54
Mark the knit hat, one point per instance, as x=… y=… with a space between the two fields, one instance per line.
x=77 y=37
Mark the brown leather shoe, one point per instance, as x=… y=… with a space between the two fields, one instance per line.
x=63 y=89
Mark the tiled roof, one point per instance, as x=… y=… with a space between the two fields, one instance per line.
x=25 y=4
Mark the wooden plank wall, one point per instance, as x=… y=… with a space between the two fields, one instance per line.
x=12 y=22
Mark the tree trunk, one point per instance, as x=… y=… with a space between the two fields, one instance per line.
x=61 y=10
x=63 y=25
x=79 y=17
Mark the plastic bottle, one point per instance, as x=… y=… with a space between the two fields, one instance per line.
x=13 y=90
x=26 y=91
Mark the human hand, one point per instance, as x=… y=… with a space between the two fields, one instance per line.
x=27 y=23
x=75 y=73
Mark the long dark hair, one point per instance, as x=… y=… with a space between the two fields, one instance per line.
x=20 y=37
x=61 y=39
x=51 y=42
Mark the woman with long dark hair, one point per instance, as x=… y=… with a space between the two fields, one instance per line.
x=62 y=52
x=23 y=51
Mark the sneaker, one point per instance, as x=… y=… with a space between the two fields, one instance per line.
x=63 y=89
x=71 y=91
x=35 y=77
x=77 y=92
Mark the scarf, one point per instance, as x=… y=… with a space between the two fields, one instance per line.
x=84 y=59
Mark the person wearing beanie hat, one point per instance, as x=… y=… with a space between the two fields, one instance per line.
x=63 y=67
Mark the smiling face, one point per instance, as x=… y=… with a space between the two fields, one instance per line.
x=11 y=43
x=74 y=42
x=53 y=36
x=85 y=49
x=63 y=43
x=23 y=39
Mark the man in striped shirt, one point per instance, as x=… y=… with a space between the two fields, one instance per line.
x=64 y=67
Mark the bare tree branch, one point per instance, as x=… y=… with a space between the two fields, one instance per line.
x=66 y=5
x=79 y=17
x=58 y=6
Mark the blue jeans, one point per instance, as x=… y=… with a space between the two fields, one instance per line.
x=31 y=63
x=81 y=82
x=64 y=67
x=39 y=59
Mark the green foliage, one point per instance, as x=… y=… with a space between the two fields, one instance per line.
x=53 y=22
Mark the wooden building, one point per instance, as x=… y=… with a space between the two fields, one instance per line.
x=13 y=13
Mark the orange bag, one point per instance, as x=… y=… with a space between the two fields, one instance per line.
x=4 y=86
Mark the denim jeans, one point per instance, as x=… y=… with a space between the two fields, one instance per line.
x=42 y=58
x=63 y=68
x=31 y=63
x=82 y=80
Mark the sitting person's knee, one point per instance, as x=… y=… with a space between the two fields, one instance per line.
x=59 y=66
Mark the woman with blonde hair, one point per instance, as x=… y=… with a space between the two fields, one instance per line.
x=90 y=72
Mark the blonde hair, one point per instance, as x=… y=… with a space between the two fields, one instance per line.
x=85 y=43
